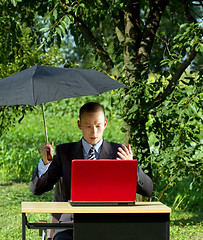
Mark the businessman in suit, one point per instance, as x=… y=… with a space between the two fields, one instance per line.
x=92 y=123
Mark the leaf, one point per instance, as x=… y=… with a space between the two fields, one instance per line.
x=199 y=48
x=40 y=47
x=58 y=30
x=188 y=49
x=55 y=13
x=63 y=31
x=191 y=106
x=183 y=25
x=64 y=25
x=133 y=109
x=170 y=64
x=82 y=5
x=45 y=29
x=14 y=2
x=177 y=36
x=127 y=97
x=192 y=42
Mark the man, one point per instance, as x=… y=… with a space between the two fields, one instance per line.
x=92 y=123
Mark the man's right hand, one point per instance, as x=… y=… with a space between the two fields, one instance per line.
x=47 y=152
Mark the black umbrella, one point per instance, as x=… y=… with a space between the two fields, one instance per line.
x=40 y=84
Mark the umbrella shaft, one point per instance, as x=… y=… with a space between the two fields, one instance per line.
x=45 y=127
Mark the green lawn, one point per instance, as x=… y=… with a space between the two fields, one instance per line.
x=184 y=225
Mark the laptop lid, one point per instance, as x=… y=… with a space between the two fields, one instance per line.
x=104 y=180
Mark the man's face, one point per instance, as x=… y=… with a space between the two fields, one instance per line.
x=92 y=126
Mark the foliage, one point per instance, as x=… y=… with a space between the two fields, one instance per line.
x=169 y=123
x=24 y=55
x=69 y=107
x=179 y=147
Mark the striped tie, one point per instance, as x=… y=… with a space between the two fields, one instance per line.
x=91 y=155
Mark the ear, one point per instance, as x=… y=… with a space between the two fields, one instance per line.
x=79 y=125
x=105 y=124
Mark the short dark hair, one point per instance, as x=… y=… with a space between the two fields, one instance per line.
x=91 y=107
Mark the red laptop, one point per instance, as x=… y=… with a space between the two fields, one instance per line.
x=103 y=182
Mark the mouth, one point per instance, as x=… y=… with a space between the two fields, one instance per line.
x=93 y=138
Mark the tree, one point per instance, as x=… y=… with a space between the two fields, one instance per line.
x=19 y=51
x=148 y=45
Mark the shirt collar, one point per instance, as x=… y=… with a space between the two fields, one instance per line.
x=87 y=146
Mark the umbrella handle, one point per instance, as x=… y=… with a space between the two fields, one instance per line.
x=45 y=126
x=49 y=156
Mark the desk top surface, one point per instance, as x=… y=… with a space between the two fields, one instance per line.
x=65 y=207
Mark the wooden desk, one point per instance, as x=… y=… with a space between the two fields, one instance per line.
x=145 y=220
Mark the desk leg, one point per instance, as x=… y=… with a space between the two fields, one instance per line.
x=118 y=226
x=24 y=221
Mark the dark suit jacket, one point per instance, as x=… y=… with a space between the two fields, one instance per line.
x=61 y=167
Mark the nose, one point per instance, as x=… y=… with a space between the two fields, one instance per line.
x=94 y=129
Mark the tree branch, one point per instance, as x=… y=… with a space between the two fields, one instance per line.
x=133 y=12
x=187 y=11
x=118 y=29
x=175 y=78
x=132 y=33
x=92 y=40
x=150 y=29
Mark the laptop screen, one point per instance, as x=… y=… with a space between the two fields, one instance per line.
x=103 y=180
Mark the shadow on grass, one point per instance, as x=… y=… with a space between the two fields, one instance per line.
x=2 y=184
x=187 y=219
x=19 y=191
x=13 y=179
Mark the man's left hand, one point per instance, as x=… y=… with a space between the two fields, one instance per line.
x=125 y=153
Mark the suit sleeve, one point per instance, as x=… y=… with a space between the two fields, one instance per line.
x=144 y=184
x=46 y=182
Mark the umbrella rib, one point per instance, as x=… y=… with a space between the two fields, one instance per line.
x=89 y=84
x=33 y=89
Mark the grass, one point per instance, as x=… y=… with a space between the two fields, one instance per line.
x=11 y=195
x=186 y=225
x=183 y=225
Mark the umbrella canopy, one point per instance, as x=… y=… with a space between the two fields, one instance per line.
x=40 y=84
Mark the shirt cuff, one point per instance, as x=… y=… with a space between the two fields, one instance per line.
x=42 y=168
